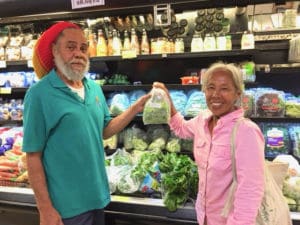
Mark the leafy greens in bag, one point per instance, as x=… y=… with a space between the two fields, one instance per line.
x=157 y=108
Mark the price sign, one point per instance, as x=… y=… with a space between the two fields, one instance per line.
x=2 y=64
x=5 y=90
x=119 y=198
x=76 y=4
x=128 y=54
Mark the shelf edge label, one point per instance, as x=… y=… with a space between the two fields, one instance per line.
x=76 y=4
x=5 y=90
x=29 y=64
x=2 y=64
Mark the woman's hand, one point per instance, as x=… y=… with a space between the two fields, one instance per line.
x=163 y=87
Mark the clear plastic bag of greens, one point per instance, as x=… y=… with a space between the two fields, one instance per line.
x=127 y=183
x=158 y=135
x=121 y=158
x=173 y=144
x=119 y=103
x=113 y=175
x=157 y=108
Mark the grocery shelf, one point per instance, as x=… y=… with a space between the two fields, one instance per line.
x=186 y=55
x=11 y=122
x=12 y=90
x=15 y=196
x=147 y=87
x=278 y=68
x=276 y=119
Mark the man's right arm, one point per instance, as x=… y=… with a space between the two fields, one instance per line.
x=37 y=179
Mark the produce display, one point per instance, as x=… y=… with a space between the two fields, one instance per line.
x=13 y=168
x=152 y=137
x=170 y=176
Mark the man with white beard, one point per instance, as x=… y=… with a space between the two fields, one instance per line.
x=65 y=119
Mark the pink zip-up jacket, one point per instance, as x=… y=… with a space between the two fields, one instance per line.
x=213 y=157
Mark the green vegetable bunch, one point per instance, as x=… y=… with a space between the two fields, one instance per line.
x=292 y=109
x=145 y=164
x=291 y=190
x=179 y=180
x=173 y=145
x=118 y=79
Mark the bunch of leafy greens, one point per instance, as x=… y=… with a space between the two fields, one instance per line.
x=179 y=180
x=145 y=164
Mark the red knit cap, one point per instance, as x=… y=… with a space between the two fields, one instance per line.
x=42 y=59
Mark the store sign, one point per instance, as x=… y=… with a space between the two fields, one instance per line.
x=76 y=4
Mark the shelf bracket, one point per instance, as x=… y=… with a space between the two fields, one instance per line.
x=162 y=14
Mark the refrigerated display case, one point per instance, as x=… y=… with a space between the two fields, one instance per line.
x=17 y=204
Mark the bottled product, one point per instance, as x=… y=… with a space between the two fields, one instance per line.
x=228 y=42
x=289 y=18
x=221 y=42
x=126 y=43
x=247 y=41
x=101 y=44
x=92 y=45
x=179 y=45
x=135 y=46
x=145 y=48
x=116 y=46
x=109 y=44
x=209 y=43
x=197 y=43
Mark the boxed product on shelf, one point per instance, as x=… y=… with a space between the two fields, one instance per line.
x=269 y=103
x=292 y=107
x=276 y=139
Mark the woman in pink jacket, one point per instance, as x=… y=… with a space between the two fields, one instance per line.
x=211 y=131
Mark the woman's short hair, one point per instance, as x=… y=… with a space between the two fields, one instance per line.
x=230 y=68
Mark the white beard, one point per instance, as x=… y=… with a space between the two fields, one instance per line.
x=67 y=71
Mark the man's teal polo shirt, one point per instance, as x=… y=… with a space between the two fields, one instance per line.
x=68 y=131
